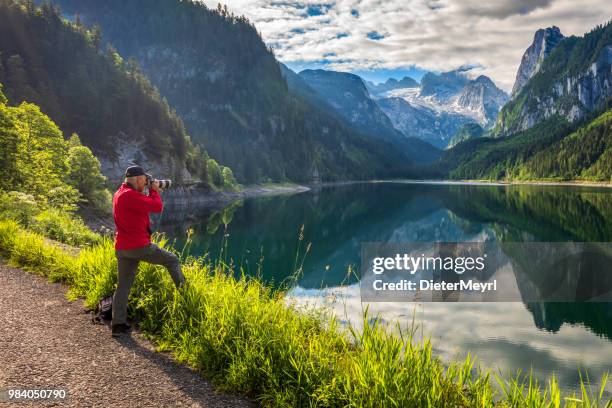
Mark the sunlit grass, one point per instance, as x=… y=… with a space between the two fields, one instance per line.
x=246 y=337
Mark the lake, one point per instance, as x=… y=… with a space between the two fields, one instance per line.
x=319 y=234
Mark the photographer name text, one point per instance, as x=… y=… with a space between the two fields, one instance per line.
x=426 y=285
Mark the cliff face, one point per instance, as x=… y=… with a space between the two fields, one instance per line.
x=544 y=41
x=587 y=90
x=348 y=94
x=482 y=97
x=570 y=81
x=435 y=127
x=130 y=152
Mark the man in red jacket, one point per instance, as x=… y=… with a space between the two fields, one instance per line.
x=131 y=208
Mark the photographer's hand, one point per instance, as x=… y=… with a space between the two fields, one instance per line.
x=155 y=185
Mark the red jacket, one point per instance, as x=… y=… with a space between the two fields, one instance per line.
x=131 y=211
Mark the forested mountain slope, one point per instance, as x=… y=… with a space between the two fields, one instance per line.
x=227 y=86
x=116 y=112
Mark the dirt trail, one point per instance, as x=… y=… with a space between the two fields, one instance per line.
x=49 y=342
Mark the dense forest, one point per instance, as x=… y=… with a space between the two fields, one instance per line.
x=585 y=154
x=214 y=68
x=554 y=149
x=91 y=90
x=466 y=132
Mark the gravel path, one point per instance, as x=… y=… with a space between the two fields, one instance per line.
x=49 y=342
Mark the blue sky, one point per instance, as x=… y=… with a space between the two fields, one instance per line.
x=379 y=39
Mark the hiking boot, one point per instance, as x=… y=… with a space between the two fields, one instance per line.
x=120 y=329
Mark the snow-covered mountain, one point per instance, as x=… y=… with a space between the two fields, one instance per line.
x=437 y=109
x=391 y=84
x=436 y=127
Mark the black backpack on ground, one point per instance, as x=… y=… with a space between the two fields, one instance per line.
x=103 y=311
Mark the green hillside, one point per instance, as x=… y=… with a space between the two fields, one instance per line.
x=467 y=132
x=89 y=90
x=554 y=149
x=585 y=154
x=214 y=68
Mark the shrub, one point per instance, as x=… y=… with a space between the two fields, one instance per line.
x=63 y=197
x=64 y=227
x=17 y=206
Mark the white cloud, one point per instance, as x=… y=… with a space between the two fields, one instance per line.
x=431 y=34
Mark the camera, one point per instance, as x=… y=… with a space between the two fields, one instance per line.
x=163 y=184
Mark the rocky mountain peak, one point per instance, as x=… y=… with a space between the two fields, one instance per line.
x=544 y=41
x=390 y=85
x=348 y=95
x=483 y=98
x=443 y=85
x=485 y=80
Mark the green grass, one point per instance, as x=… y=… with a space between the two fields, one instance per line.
x=248 y=339
x=53 y=223
x=64 y=227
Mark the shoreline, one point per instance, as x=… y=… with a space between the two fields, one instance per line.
x=182 y=199
x=570 y=183
x=185 y=200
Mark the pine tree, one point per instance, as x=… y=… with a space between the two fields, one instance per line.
x=96 y=36
x=9 y=140
x=18 y=86
x=1 y=71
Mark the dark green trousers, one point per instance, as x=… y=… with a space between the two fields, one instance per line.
x=128 y=260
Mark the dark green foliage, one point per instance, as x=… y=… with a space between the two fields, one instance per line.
x=213 y=67
x=1 y=77
x=493 y=159
x=58 y=66
x=554 y=149
x=17 y=84
x=467 y=131
x=584 y=154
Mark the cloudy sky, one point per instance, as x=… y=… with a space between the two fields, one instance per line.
x=381 y=39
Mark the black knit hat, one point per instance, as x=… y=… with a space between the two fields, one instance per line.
x=134 y=171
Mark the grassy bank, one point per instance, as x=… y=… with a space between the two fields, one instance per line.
x=244 y=336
